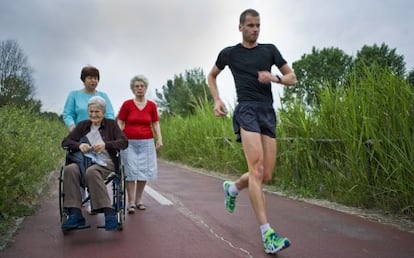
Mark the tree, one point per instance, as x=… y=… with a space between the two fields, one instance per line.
x=16 y=80
x=326 y=67
x=181 y=95
x=381 y=56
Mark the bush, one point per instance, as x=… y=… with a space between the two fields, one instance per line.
x=30 y=149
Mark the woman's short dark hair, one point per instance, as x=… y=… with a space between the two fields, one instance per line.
x=89 y=71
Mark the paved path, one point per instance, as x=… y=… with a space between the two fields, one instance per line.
x=186 y=218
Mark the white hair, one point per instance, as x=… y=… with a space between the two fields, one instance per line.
x=138 y=78
x=98 y=100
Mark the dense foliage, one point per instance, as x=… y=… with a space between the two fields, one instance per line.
x=30 y=149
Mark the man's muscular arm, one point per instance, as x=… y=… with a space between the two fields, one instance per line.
x=288 y=77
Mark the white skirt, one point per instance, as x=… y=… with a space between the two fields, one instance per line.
x=140 y=160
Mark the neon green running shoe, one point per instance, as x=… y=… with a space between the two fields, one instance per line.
x=230 y=200
x=273 y=243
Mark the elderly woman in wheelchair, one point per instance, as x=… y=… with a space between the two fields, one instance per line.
x=97 y=140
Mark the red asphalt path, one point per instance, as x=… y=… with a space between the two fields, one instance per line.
x=197 y=225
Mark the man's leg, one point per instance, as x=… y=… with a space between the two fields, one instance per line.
x=253 y=152
x=271 y=241
x=243 y=181
x=269 y=160
x=260 y=154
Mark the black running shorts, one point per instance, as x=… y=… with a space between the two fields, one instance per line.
x=256 y=117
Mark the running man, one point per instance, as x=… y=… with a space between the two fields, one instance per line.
x=254 y=119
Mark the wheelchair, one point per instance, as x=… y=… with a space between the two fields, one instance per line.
x=117 y=179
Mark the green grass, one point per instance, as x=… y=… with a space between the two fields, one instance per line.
x=30 y=149
x=203 y=141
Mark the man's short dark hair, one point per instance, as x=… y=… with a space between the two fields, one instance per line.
x=89 y=71
x=251 y=12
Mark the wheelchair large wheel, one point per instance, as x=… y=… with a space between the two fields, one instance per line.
x=62 y=211
x=119 y=197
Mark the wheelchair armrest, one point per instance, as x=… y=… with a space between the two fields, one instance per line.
x=110 y=177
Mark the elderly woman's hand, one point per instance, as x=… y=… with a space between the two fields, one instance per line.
x=85 y=148
x=99 y=147
x=158 y=144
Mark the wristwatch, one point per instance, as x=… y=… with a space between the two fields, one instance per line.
x=279 y=78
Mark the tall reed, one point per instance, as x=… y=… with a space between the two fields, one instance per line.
x=202 y=140
x=362 y=147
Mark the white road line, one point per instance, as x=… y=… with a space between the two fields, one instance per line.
x=157 y=196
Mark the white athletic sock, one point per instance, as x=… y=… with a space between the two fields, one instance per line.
x=263 y=229
x=233 y=189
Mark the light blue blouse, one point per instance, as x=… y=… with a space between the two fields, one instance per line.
x=76 y=107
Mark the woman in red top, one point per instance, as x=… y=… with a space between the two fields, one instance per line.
x=138 y=118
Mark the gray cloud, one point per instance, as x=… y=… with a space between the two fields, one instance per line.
x=163 y=38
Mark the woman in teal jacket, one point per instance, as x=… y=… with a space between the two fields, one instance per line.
x=76 y=105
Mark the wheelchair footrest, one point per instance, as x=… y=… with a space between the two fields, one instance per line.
x=103 y=226
x=80 y=227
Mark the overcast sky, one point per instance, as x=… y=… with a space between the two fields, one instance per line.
x=163 y=38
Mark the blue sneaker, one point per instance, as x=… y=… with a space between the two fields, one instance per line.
x=111 y=223
x=230 y=200
x=273 y=243
x=74 y=221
